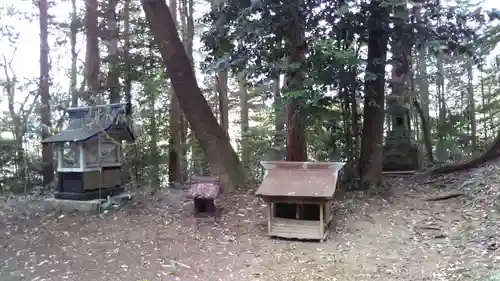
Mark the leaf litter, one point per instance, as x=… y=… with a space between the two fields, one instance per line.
x=401 y=237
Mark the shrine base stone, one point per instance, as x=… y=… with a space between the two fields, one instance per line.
x=402 y=157
x=86 y=206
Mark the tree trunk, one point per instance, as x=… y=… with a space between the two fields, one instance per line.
x=425 y=130
x=214 y=141
x=127 y=82
x=483 y=103
x=423 y=86
x=346 y=116
x=126 y=57
x=471 y=106
x=221 y=83
x=221 y=80
x=295 y=45
x=153 y=145
x=279 y=118
x=113 y=82
x=423 y=83
x=175 y=146
x=355 y=116
x=92 y=60
x=10 y=86
x=244 y=110
x=47 y=153
x=74 y=55
x=370 y=164
x=186 y=9
x=187 y=26
x=441 y=149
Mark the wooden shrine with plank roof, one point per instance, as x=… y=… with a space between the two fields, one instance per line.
x=89 y=152
x=299 y=196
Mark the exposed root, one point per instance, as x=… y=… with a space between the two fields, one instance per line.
x=492 y=153
x=444 y=196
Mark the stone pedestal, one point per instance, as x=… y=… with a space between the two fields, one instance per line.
x=399 y=152
x=401 y=155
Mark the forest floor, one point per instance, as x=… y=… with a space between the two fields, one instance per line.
x=399 y=237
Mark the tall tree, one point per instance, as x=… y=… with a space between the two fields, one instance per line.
x=279 y=117
x=295 y=44
x=244 y=112
x=74 y=56
x=19 y=117
x=213 y=139
x=45 y=115
x=126 y=57
x=113 y=78
x=175 y=146
x=370 y=164
x=186 y=9
x=423 y=86
x=471 y=108
x=92 y=59
x=441 y=129
x=221 y=80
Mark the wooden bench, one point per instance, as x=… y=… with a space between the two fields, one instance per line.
x=204 y=191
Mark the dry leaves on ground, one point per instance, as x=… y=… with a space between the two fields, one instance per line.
x=157 y=238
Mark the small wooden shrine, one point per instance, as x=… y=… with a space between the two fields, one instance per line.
x=299 y=196
x=89 y=152
x=204 y=190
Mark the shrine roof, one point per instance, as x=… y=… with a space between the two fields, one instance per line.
x=315 y=180
x=87 y=122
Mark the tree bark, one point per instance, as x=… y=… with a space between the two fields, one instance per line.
x=74 y=55
x=153 y=145
x=370 y=164
x=187 y=15
x=279 y=118
x=126 y=57
x=426 y=130
x=471 y=108
x=441 y=130
x=483 y=103
x=295 y=44
x=92 y=60
x=423 y=83
x=244 y=110
x=221 y=82
x=47 y=152
x=175 y=150
x=212 y=138
x=113 y=79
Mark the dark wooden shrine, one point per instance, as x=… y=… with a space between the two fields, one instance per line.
x=89 y=152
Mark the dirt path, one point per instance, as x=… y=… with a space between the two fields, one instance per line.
x=157 y=238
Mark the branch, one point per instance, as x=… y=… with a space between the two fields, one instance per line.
x=21 y=110
x=31 y=108
x=59 y=122
x=9 y=86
